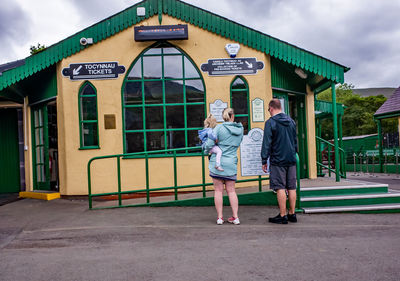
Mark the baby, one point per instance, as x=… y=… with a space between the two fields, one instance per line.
x=207 y=133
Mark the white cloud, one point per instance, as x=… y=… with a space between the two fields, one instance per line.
x=361 y=34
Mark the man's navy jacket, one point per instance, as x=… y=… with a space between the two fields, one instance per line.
x=280 y=141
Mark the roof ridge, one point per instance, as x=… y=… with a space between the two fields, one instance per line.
x=188 y=13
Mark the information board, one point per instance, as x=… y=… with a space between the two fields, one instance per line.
x=250 y=153
x=257 y=106
x=235 y=66
x=93 y=70
x=161 y=32
x=216 y=109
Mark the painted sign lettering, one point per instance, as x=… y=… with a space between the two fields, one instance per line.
x=93 y=70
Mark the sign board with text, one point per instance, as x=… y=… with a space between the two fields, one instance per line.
x=250 y=153
x=161 y=32
x=93 y=70
x=216 y=109
x=234 y=66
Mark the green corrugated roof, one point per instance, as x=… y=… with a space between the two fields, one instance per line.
x=190 y=14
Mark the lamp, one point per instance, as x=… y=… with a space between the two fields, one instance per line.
x=300 y=72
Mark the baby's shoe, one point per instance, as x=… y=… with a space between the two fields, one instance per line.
x=219 y=168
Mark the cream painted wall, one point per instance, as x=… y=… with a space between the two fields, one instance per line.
x=201 y=46
x=312 y=149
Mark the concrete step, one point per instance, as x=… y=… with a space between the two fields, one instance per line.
x=40 y=194
x=351 y=199
x=342 y=190
x=375 y=208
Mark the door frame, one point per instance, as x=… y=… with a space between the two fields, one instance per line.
x=44 y=137
x=301 y=126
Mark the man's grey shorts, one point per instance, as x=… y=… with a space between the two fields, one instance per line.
x=282 y=177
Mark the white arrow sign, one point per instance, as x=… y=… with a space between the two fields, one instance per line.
x=76 y=71
x=250 y=65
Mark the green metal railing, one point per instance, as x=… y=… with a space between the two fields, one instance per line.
x=147 y=190
x=330 y=151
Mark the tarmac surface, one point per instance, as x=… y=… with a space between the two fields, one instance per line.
x=63 y=240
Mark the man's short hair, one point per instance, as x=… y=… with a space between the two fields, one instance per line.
x=275 y=103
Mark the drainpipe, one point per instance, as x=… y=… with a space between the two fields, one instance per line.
x=335 y=132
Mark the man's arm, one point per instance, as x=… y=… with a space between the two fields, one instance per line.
x=266 y=144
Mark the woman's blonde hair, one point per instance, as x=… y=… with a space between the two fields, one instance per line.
x=227 y=114
x=210 y=121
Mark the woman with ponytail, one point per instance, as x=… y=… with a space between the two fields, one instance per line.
x=229 y=135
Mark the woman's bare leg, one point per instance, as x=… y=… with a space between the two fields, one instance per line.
x=218 y=196
x=233 y=199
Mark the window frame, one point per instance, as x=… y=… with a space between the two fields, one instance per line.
x=247 y=90
x=164 y=104
x=81 y=121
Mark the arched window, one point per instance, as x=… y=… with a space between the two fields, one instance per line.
x=240 y=102
x=163 y=101
x=88 y=118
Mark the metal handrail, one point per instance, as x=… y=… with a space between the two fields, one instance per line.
x=342 y=155
x=176 y=187
x=147 y=190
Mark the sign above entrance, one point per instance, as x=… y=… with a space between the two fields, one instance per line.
x=161 y=32
x=93 y=70
x=236 y=66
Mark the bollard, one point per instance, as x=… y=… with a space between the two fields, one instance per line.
x=385 y=163
x=373 y=164
x=355 y=167
x=360 y=155
x=397 y=164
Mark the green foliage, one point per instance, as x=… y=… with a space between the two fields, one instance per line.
x=358 y=114
x=37 y=49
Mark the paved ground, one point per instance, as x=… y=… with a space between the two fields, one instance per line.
x=63 y=240
x=392 y=180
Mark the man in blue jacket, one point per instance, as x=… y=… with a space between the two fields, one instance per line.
x=280 y=146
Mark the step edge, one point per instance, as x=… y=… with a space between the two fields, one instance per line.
x=348 y=197
x=353 y=208
x=341 y=187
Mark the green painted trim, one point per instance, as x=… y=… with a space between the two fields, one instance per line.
x=264 y=198
x=247 y=90
x=335 y=132
x=81 y=121
x=387 y=115
x=201 y=18
x=349 y=202
x=337 y=192
x=164 y=104
x=43 y=134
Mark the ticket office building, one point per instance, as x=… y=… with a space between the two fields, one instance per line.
x=75 y=101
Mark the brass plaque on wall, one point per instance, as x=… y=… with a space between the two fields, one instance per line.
x=109 y=121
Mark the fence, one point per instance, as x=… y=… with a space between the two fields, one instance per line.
x=367 y=161
x=147 y=190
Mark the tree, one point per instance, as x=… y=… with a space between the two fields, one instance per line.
x=37 y=49
x=358 y=114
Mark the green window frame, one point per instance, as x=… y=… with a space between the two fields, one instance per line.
x=240 y=102
x=88 y=117
x=163 y=101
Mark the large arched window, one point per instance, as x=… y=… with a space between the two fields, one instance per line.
x=88 y=119
x=163 y=101
x=240 y=102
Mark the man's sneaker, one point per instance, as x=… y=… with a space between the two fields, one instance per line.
x=234 y=221
x=292 y=218
x=278 y=219
x=220 y=221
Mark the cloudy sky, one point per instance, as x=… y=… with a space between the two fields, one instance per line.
x=361 y=34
